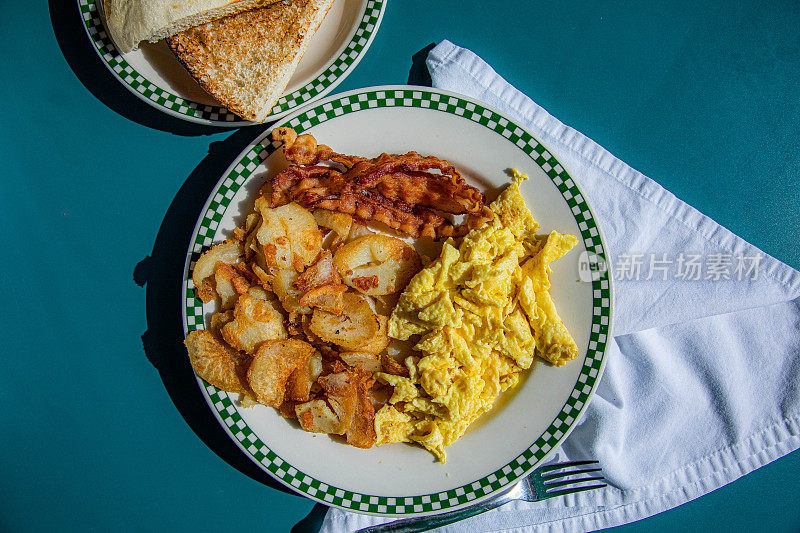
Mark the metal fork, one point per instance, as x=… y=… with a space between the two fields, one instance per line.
x=545 y=482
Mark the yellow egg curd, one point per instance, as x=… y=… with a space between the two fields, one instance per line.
x=481 y=311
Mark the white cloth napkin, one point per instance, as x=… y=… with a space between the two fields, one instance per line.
x=701 y=384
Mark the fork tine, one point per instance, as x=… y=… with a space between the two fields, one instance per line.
x=572 y=481
x=559 y=466
x=556 y=475
x=562 y=492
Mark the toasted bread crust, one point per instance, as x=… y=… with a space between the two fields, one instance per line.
x=245 y=61
x=131 y=21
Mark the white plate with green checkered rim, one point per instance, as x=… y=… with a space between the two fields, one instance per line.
x=532 y=419
x=156 y=77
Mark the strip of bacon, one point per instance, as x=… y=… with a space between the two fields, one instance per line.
x=405 y=192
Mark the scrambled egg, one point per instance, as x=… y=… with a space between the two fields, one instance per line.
x=482 y=309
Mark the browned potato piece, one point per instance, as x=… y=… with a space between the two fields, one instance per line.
x=226 y=252
x=330 y=356
x=218 y=321
x=335 y=243
x=264 y=278
x=215 y=362
x=224 y=277
x=287 y=409
x=298 y=387
x=369 y=362
x=305 y=329
x=257 y=291
x=317 y=416
x=294 y=324
x=253 y=251
x=328 y=298
x=357 y=230
x=348 y=398
x=380 y=340
x=255 y=321
x=250 y=223
x=390 y=365
x=272 y=365
x=333 y=220
x=361 y=432
x=247 y=400
x=342 y=396
x=377 y=264
x=283 y=283
x=358 y=325
x=289 y=235
x=320 y=273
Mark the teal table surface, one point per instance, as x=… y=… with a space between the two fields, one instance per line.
x=99 y=194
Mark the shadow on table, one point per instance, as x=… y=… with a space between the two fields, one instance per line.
x=418 y=74
x=312 y=522
x=90 y=71
x=161 y=273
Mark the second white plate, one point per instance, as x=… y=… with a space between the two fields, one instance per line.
x=154 y=75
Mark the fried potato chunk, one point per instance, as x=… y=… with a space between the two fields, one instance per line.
x=226 y=252
x=298 y=387
x=289 y=235
x=264 y=278
x=342 y=396
x=317 y=416
x=377 y=264
x=327 y=298
x=389 y=365
x=283 y=283
x=272 y=365
x=333 y=220
x=320 y=286
x=305 y=328
x=323 y=272
x=384 y=305
x=358 y=230
x=215 y=362
x=279 y=278
x=229 y=284
x=241 y=233
x=287 y=409
x=349 y=330
x=257 y=291
x=361 y=432
x=254 y=321
x=369 y=362
x=218 y=321
x=380 y=340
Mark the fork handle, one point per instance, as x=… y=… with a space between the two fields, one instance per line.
x=424 y=523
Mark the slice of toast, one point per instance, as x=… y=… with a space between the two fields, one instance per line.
x=245 y=60
x=131 y=21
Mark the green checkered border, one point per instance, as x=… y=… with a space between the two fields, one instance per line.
x=567 y=417
x=147 y=90
x=207 y=229
x=370 y=20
